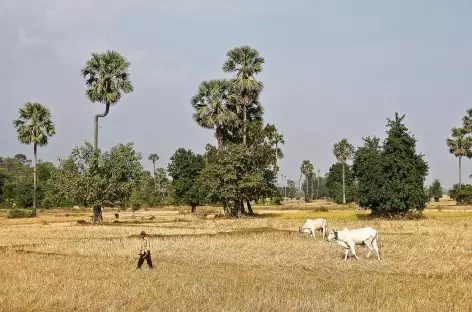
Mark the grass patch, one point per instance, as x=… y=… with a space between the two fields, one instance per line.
x=247 y=264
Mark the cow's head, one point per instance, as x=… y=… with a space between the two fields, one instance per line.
x=333 y=234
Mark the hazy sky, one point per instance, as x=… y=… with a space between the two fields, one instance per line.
x=333 y=69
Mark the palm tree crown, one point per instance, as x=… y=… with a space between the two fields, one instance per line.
x=343 y=151
x=212 y=110
x=459 y=144
x=34 y=124
x=153 y=157
x=106 y=77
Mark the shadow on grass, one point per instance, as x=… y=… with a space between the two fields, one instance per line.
x=240 y=232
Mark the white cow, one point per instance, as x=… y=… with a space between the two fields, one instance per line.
x=311 y=225
x=349 y=238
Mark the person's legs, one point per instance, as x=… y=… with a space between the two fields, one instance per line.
x=149 y=261
x=140 y=261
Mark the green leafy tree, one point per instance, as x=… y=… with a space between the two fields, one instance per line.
x=339 y=191
x=460 y=146
x=292 y=190
x=184 y=168
x=367 y=169
x=238 y=174
x=435 y=190
x=403 y=170
x=107 y=78
x=307 y=170
x=212 y=109
x=343 y=151
x=34 y=126
x=245 y=62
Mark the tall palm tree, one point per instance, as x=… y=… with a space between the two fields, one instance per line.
x=460 y=145
x=153 y=157
x=211 y=105
x=307 y=170
x=107 y=78
x=343 y=151
x=34 y=126
x=245 y=62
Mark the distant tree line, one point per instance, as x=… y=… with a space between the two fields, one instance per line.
x=241 y=168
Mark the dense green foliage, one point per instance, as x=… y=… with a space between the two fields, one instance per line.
x=184 y=168
x=391 y=177
x=435 y=190
x=334 y=184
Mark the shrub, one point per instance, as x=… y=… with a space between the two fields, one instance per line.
x=19 y=213
x=277 y=200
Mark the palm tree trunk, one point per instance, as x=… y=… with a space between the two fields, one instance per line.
x=460 y=171
x=219 y=138
x=306 y=195
x=244 y=125
x=96 y=124
x=35 y=147
x=344 y=188
x=154 y=174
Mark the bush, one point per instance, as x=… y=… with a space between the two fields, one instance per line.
x=463 y=196
x=277 y=200
x=19 y=213
x=320 y=209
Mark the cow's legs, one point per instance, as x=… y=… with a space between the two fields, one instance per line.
x=374 y=244
x=353 y=251
x=369 y=245
x=313 y=230
x=347 y=251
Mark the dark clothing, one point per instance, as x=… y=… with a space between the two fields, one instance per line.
x=146 y=256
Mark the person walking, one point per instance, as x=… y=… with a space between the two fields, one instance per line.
x=145 y=251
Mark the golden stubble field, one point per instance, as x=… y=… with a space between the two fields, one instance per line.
x=51 y=263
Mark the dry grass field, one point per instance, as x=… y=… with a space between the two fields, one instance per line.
x=52 y=263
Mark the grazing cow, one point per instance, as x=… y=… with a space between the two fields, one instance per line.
x=311 y=225
x=349 y=238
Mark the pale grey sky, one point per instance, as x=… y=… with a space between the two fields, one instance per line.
x=333 y=69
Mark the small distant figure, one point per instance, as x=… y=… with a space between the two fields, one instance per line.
x=117 y=215
x=145 y=251
x=134 y=214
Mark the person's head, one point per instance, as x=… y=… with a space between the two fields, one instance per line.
x=142 y=234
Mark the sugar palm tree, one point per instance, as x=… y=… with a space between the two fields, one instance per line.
x=460 y=145
x=343 y=151
x=307 y=170
x=34 y=126
x=153 y=157
x=211 y=105
x=107 y=79
x=245 y=62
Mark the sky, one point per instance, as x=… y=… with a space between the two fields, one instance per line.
x=333 y=69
